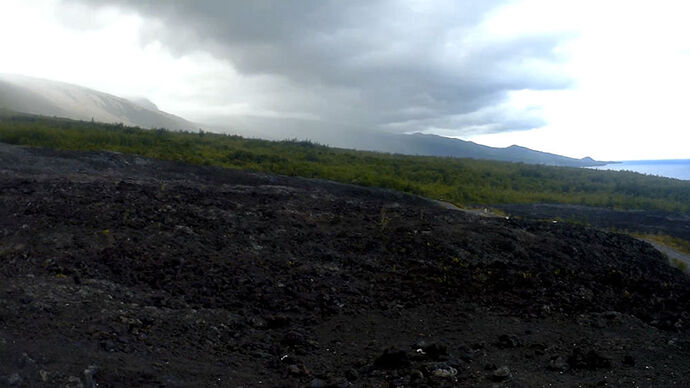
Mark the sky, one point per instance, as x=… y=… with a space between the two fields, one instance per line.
x=606 y=79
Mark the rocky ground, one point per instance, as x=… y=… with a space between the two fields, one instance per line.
x=121 y=271
x=672 y=224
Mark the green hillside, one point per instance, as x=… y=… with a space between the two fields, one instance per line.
x=465 y=182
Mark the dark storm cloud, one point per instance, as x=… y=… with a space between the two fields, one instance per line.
x=400 y=65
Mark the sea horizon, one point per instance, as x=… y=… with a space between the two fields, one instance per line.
x=668 y=168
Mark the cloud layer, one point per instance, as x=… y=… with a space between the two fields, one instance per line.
x=396 y=65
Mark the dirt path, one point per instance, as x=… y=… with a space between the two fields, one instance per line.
x=671 y=253
x=477 y=212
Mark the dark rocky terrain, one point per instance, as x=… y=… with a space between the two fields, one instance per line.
x=672 y=224
x=121 y=271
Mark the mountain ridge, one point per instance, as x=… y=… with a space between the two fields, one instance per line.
x=53 y=98
x=513 y=153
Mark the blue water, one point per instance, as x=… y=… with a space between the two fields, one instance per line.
x=679 y=168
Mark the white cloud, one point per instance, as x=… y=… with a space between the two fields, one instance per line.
x=630 y=61
x=428 y=66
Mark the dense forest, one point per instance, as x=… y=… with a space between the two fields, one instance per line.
x=464 y=182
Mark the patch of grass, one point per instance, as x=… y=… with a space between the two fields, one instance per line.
x=681 y=265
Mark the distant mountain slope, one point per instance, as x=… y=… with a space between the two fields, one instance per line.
x=346 y=136
x=444 y=146
x=52 y=98
x=419 y=144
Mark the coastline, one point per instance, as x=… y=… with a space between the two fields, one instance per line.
x=669 y=168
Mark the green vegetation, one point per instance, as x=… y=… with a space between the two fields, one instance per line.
x=461 y=181
x=681 y=265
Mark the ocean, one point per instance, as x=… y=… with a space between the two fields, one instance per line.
x=679 y=168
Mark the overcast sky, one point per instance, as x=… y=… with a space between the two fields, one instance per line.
x=607 y=79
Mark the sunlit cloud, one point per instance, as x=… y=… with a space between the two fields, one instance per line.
x=605 y=79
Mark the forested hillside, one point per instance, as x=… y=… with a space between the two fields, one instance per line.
x=464 y=182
